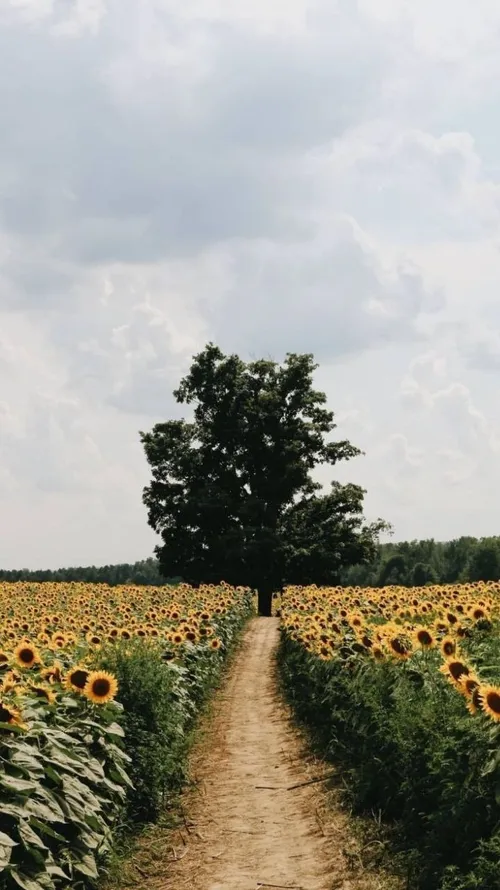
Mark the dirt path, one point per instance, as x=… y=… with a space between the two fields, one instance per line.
x=245 y=830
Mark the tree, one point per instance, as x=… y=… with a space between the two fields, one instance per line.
x=484 y=564
x=423 y=574
x=232 y=494
x=394 y=571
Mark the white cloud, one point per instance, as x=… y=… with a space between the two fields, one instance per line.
x=310 y=175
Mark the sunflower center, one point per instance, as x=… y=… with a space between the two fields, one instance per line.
x=493 y=699
x=101 y=687
x=79 y=678
x=5 y=715
x=26 y=655
x=457 y=669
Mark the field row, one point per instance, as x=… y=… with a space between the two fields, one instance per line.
x=100 y=688
x=401 y=687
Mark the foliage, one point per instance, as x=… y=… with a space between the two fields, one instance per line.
x=408 y=563
x=79 y=665
x=62 y=787
x=161 y=700
x=146 y=571
x=232 y=494
x=415 y=563
x=416 y=731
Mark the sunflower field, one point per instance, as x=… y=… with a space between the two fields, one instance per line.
x=401 y=688
x=99 y=689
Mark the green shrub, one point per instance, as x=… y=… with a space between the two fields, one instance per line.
x=162 y=700
x=410 y=751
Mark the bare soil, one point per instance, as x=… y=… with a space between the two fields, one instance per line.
x=247 y=826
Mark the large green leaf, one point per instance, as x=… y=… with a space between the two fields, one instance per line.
x=29 y=837
x=41 y=810
x=87 y=866
x=13 y=783
x=47 y=830
x=26 y=882
x=26 y=761
x=56 y=872
x=12 y=727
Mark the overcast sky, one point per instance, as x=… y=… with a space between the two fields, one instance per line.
x=273 y=175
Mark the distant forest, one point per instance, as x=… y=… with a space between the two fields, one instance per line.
x=407 y=563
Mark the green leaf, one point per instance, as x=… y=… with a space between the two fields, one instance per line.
x=113 y=729
x=12 y=727
x=13 y=783
x=26 y=882
x=56 y=872
x=53 y=774
x=27 y=762
x=12 y=809
x=93 y=822
x=46 y=829
x=43 y=811
x=29 y=837
x=5 y=854
x=118 y=773
x=87 y=866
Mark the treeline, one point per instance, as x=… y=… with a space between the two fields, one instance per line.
x=407 y=563
x=145 y=571
x=416 y=563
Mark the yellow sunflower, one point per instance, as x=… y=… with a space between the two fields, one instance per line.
x=424 y=638
x=100 y=687
x=448 y=647
x=455 y=671
x=9 y=714
x=76 y=678
x=489 y=697
x=44 y=693
x=26 y=655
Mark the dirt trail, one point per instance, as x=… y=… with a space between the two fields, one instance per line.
x=245 y=831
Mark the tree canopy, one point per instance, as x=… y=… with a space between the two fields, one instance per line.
x=416 y=563
x=232 y=493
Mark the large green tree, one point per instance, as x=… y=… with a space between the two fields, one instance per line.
x=232 y=494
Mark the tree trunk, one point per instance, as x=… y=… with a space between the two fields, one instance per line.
x=265 y=600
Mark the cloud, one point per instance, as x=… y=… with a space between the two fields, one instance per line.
x=312 y=176
x=337 y=277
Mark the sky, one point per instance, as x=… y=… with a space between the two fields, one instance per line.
x=303 y=176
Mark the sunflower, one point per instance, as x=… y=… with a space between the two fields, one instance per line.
x=77 y=678
x=454 y=670
x=448 y=647
x=325 y=654
x=10 y=681
x=378 y=653
x=468 y=684
x=4 y=660
x=489 y=697
x=9 y=714
x=26 y=655
x=215 y=643
x=475 y=701
x=44 y=693
x=398 y=647
x=100 y=687
x=205 y=630
x=424 y=638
